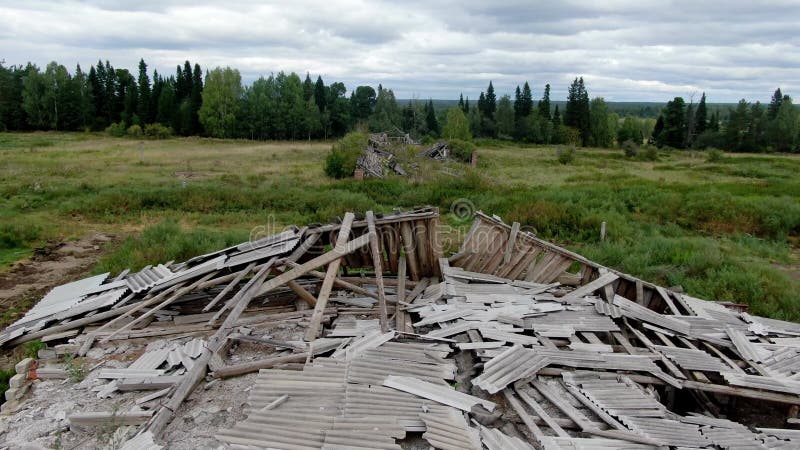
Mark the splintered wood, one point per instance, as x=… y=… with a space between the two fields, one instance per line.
x=584 y=356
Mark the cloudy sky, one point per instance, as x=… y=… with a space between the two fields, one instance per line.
x=626 y=50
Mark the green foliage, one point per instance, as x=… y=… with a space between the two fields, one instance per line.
x=134 y=131
x=18 y=233
x=76 y=369
x=164 y=242
x=5 y=376
x=630 y=149
x=714 y=155
x=565 y=154
x=341 y=161
x=649 y=153
x=221 y=95
x=116 y=129
x=157 y=131
x=602 y=124
x=461 y=150
x=456 y=125
x=32 y=348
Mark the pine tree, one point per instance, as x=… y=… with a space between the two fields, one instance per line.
x=701 y=116
x=544 y=103
x=143 y=107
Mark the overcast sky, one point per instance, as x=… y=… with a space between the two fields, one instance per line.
x=626 y=50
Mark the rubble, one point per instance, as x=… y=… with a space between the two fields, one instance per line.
x=512 y=342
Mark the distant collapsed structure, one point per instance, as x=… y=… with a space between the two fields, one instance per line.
x=546 y=348
x=377 y=160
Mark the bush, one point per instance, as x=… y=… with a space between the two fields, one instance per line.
x=461 y=150
x=565 y=154
x=116 y=129
x=630 y=148
x=134 y=131
x=715 y=155
x=157 y=131
x=341 y=161
x=17 y=234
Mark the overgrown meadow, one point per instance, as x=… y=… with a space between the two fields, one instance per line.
x=724 y=228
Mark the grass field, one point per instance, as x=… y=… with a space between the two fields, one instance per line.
x=724 y=231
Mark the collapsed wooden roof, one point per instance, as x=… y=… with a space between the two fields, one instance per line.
x=575 y=354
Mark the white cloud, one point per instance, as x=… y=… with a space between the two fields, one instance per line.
x=625 y=49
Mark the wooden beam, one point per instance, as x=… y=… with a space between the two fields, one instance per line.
x=511 y=243
x=377 y=260
x=254 y=366
x=242 y=273
x=330 y=275
x=401 y=316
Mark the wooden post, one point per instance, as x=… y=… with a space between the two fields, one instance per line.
x=377 y=258
x=330 y=276
x=603 y=231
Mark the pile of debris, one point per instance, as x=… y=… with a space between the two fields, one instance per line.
x=513 y=342
x=439 y=151
x=378 y=160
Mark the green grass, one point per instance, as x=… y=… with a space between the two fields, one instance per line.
x=723 y=230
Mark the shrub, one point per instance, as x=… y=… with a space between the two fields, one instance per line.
x=32 y=348
x=157 y=131
x=461 y=150
x=341 y=161
x=16 y=234
x=134 y=131
x=565 y=155
x=630 y=148
x=715 y=155
x=116 y=129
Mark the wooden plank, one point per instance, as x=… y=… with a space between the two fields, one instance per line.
x=158 y=307
x=254 y=366
x=106 y=418
x=410 y=251
x=511 y=243
x=321 y=260
x=257 y=280
x=377 y=264
x=435 y=244
x=302 y=292
x=230 y=286
x=401 y=316
x=330 y=275
x=555 y=426
x=524 y=416
x=592 y=286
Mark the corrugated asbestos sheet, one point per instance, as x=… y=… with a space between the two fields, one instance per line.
x=495 y=439
x=726 y=434
x=618 y=396
x=569 y=443
x=143 y=441
x=148 y=277
x=671 y=432
x=511 y=365
x=691 y=359
x=447 y=429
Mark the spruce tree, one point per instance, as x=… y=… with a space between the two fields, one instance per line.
x=527 y=100
x=466 y=106
x=775 y=104
x=460 y=102
x=308 y=88
x=143 y=106
x=544 y=103
x=319 y=94
x=556 y=118
x=430 y=119
x=701 y=116
x=196 y=99
x=517 y=103
x=491 y=101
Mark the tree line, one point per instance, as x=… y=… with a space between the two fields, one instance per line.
x=749 y=127
x=285 y=106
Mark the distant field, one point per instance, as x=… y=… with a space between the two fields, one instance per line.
x=724 y=231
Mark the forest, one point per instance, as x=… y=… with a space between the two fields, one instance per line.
x=285 y=107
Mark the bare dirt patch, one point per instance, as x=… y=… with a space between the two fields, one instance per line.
x=50 y=265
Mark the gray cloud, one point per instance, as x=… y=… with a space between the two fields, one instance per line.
x=626 y=50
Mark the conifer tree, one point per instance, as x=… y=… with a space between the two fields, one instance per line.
x=143 y=106
x=527 y=100
x=775 y=104
x=308 y=88
x=320 y=96
x=517 y=103
x=490 y=101
x=544 y=103
x=701 y=116
x=430 y=119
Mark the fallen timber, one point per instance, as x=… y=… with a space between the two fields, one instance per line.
x=382 y=319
